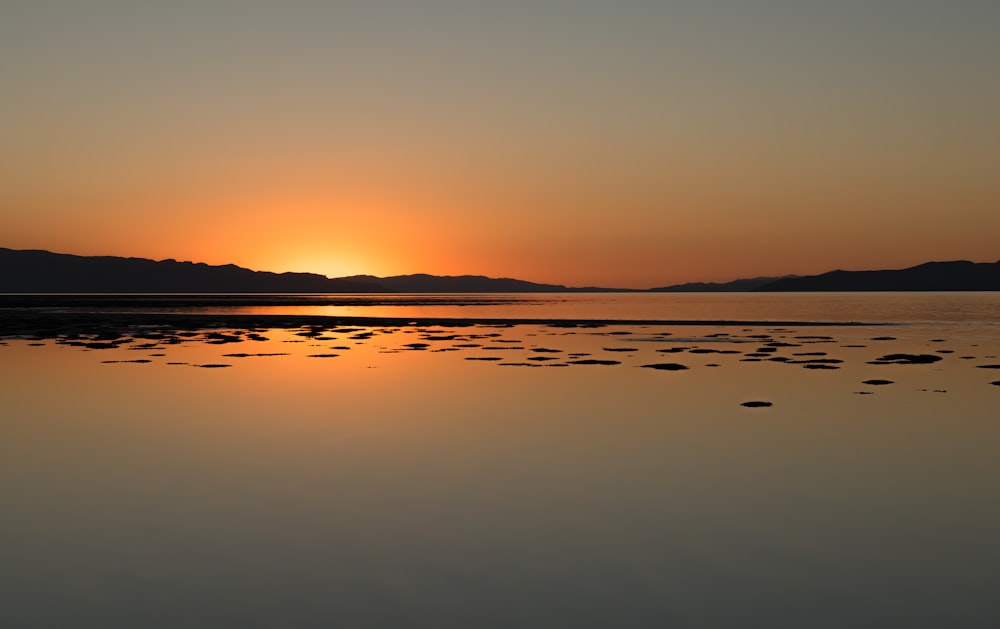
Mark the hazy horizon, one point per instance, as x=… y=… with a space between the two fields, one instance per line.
x=632 y=144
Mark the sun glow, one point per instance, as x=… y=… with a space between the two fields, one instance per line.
x=329 y=263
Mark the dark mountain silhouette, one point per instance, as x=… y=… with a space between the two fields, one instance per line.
x=423 y=283
x=930 y=276
x=36 y=271
x=735 y=286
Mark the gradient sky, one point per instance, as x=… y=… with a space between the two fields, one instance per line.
x=632 y=143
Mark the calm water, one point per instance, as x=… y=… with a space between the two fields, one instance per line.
x=864 y=307
x=449 y=476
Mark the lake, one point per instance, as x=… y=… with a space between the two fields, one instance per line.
x=214 y=462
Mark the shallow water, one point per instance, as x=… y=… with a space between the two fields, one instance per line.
x=399 y=484
x=896 y=307
x=840 y=307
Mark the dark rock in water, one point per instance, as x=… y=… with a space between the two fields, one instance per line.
x=756 y=404
x=816 y=361
x=672 y=350
x=906 y=359
x=997 y=383
x=620 y=349
x=877 y=382
x=988 y=366
x=703 y=350
x=820 y=366
x=862 y=393
x=546 y=350
x=323 y=355
x=213 y=366
x=592 y=361
x=483 y=358
x=884 y=338
x=666 y=366
x=712 y=365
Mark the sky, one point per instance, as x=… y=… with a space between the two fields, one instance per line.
x=633 y=143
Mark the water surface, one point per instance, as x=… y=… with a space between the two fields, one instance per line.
x=388 y=476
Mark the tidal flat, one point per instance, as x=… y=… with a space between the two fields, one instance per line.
x=306 y=472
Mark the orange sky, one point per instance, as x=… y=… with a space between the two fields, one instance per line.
x=636 y=145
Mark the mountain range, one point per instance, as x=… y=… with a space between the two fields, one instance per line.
x=36 y=271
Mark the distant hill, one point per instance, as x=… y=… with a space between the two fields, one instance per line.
x=931 y=276
x=35 y=271
x=423 y=283
x=716 y=287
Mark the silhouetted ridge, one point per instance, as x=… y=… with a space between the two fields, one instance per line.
x=424 y=283
x=960 y=275
x=719 y=287
x=37 y=271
